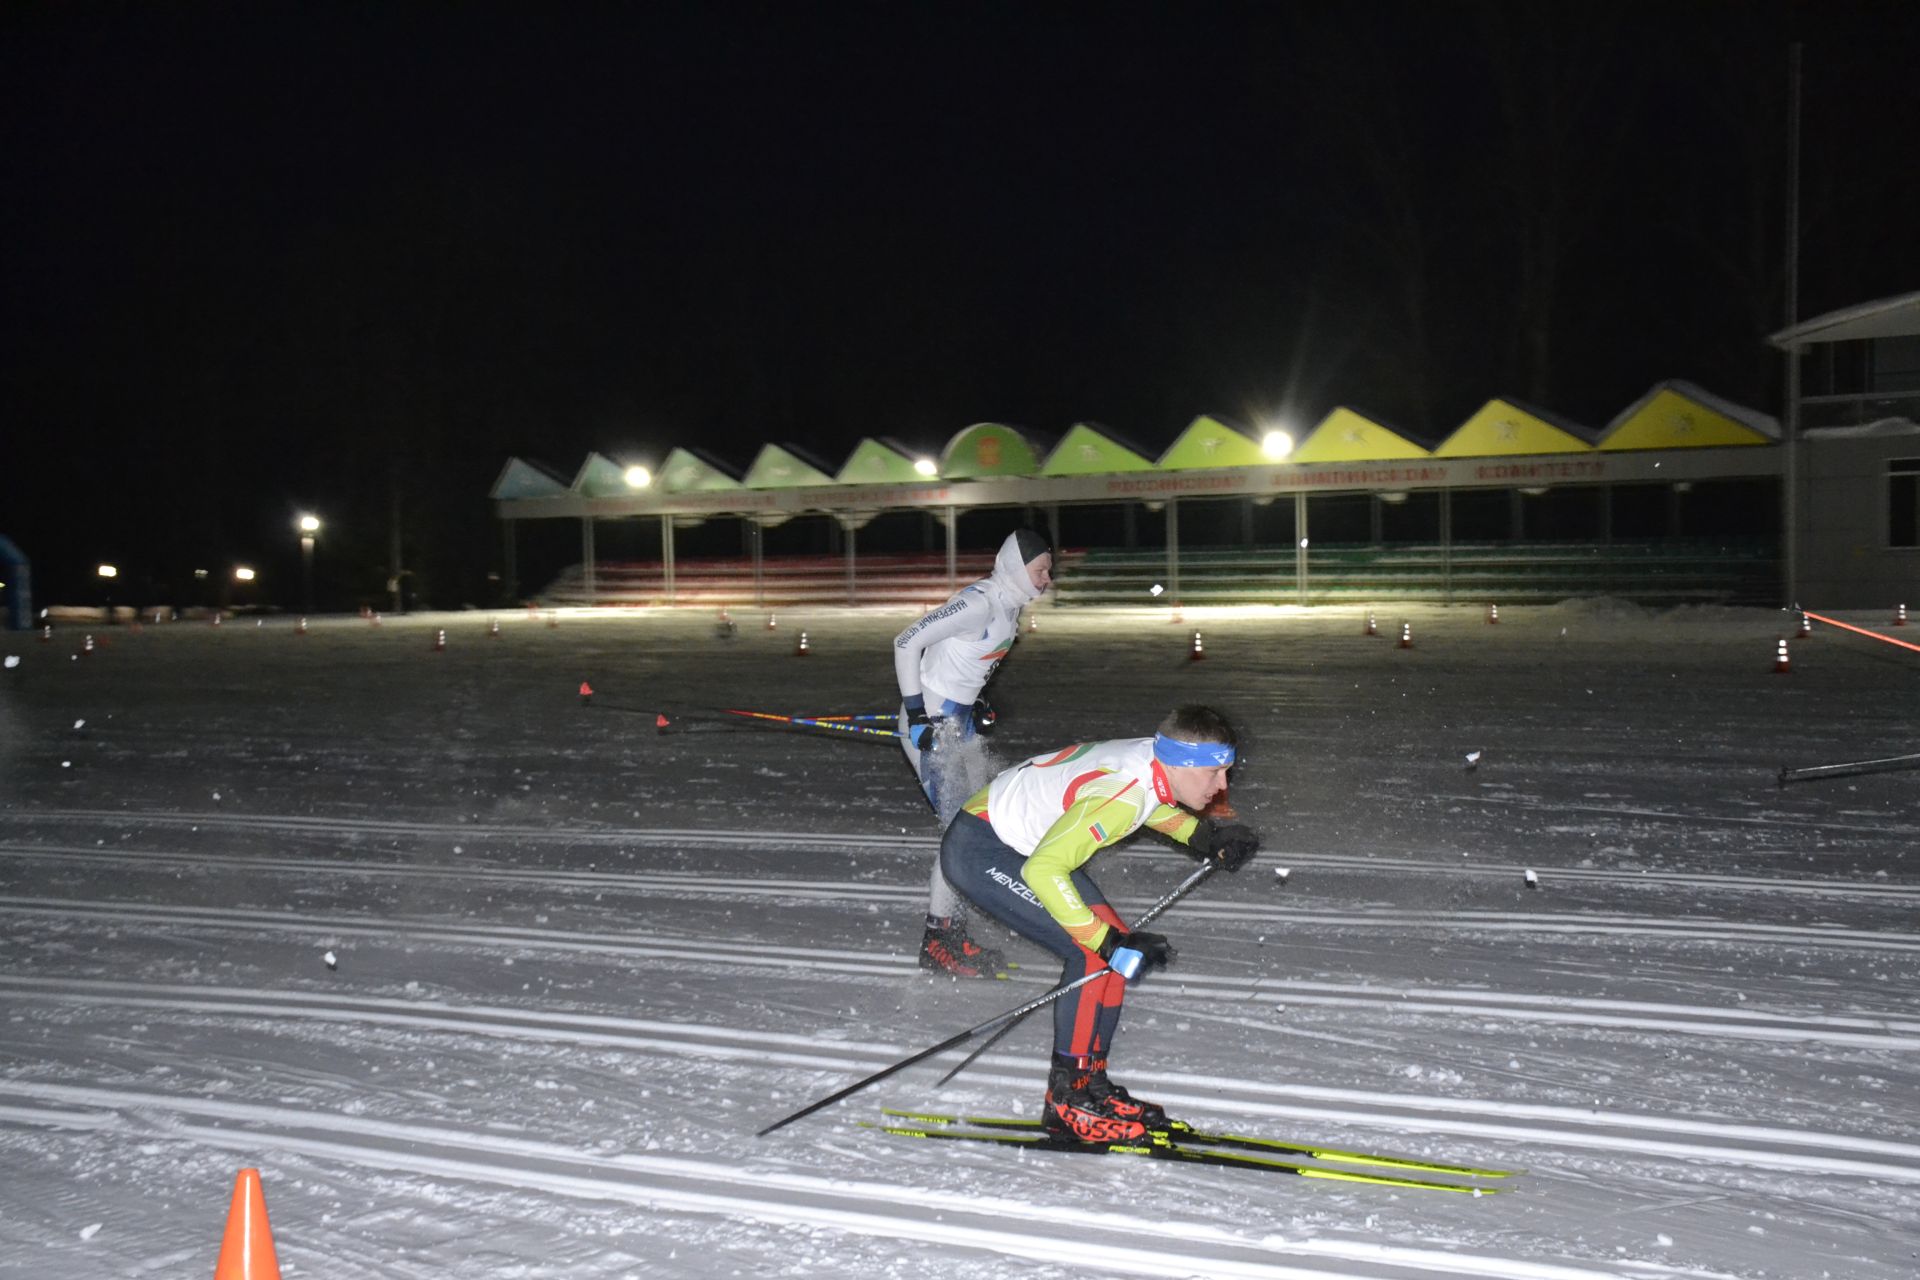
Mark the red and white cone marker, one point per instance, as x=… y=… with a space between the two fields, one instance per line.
x=1806 y=628
x=586 y=693
x=1782 y=664
x=440 y=641
x=86 y=646
x=1033 y=624
x=46 y=634
x=1179 y=614
x=1406 y=635
x=773 y=623
x=800 y=649
x=301 y=629
x=493 y=629
x=1493 y=615
x=553 y=619
x=1900 y=615
x=1199 y=650
x=216 y=617
x=1371 y=630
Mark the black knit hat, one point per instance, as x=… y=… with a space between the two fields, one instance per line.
x=1032 y=546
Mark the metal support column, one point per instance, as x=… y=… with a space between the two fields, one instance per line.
x=1446 y=545
x=952 y=521
x=759 y=582
x=510 y=560
x=666 y=555
x=586 y=557
x=852 y=537
x=1300 y=545
x=1173 y=548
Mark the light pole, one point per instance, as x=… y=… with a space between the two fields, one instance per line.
x=107 y=574
x=309 y=530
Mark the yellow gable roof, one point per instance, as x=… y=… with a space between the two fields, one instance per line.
x=1346 y=436
x=1502 y=429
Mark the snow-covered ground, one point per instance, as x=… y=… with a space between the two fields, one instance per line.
x=580 y=963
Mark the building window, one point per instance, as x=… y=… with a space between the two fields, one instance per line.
x=1903 y=502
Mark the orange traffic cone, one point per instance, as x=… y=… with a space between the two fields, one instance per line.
x=1220 y=808
x=1199 y=651
x=1406 y=635
x=800 y=650
x=1493 y=614
x=246 y=1252
x=1782 y=665
x=586 y=693
x=440 y=641
x=1371 y=629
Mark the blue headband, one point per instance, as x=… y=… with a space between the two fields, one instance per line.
x=1201 y=755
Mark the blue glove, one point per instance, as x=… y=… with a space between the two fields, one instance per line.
x=1130 y=954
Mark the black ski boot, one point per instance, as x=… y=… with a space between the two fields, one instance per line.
x=1150 y=1114
x=1074 y=1112
x=946 y=948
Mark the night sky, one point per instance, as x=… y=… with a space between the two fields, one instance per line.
x=264 y=258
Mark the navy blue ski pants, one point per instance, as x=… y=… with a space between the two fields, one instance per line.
x=987 y=870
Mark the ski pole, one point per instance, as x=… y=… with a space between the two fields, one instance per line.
x=1871 y=635
x=1179 y=892
x=991 y=1024
x=1886 y=764
x=811 y=722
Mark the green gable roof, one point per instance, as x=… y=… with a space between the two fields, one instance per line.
x=601 y=477
x=1088 y=451
x=522 y=479
x=878 y=462
x=1208 y=443
x=687 y=472
x=985 y=450
x=778 y=468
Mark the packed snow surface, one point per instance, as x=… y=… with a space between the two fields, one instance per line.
x=489 y=981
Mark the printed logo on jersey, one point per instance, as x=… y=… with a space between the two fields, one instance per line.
x=1013 y=884
x=1162 y=788
x=1099 y=833
x=946 y=610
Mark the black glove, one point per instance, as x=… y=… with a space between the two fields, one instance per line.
x=1227 y=845
x=984 y=716
x=1132 y=954
x=921 y=729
